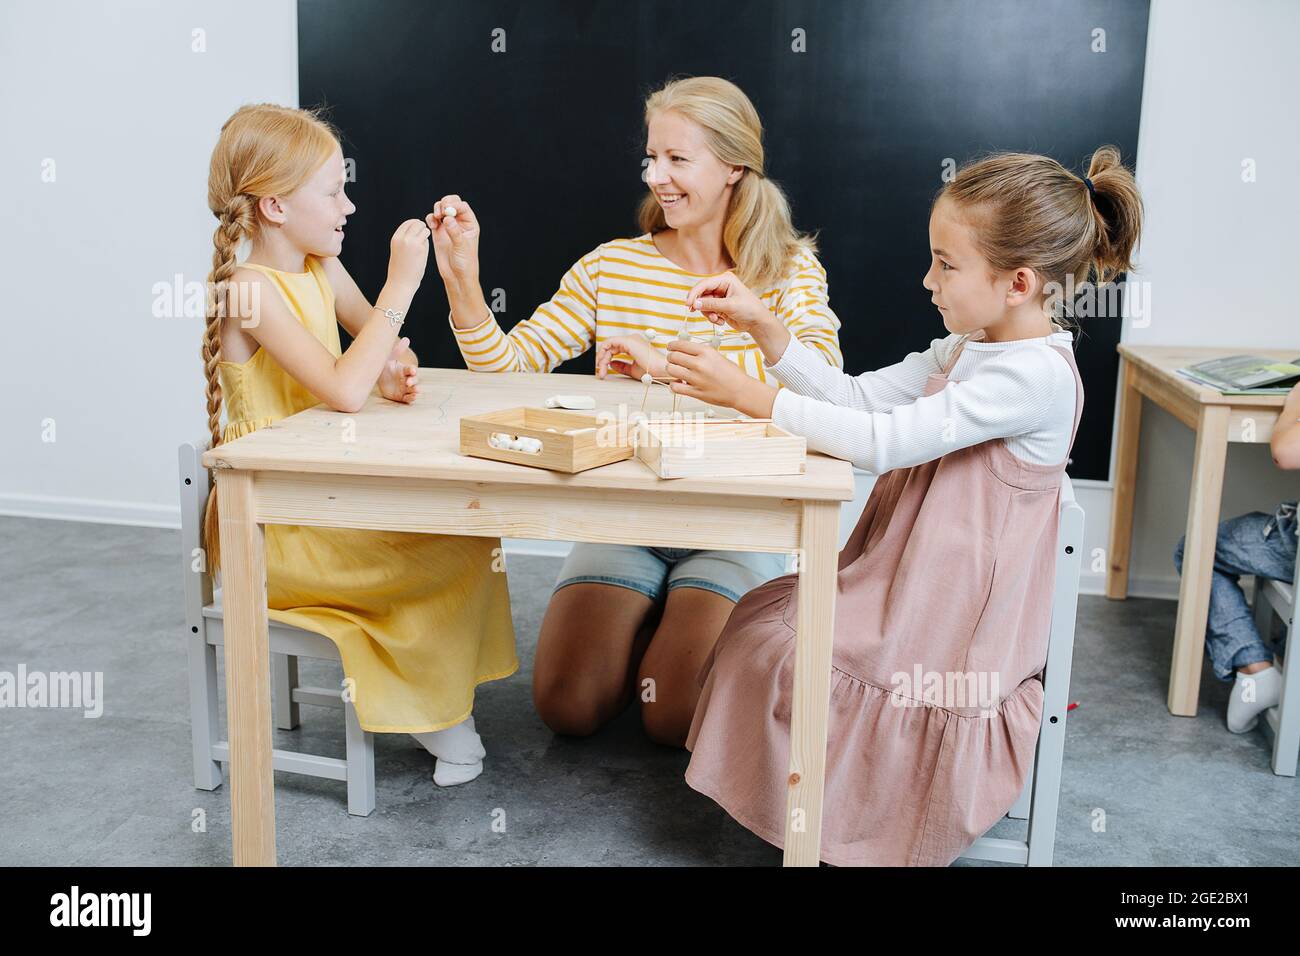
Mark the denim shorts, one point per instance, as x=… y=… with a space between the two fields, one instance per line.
x=656 y=571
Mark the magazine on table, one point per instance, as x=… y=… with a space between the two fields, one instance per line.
x=1245 y=374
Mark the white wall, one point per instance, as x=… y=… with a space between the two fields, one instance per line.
x=114 y=95
x=129 y=114
x=1220 y=255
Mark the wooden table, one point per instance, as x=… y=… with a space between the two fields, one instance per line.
x=398 y=468
x=1148 y=371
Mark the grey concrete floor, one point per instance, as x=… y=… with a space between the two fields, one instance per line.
x=1139 y=787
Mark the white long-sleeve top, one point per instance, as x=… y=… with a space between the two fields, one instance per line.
x=1021 y=392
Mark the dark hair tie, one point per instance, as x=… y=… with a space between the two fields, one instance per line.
x=1091 y=191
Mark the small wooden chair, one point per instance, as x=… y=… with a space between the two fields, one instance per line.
x=1040 y=798
x=205 y=633
x=1283 y=721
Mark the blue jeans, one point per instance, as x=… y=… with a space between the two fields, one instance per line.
x=1259 y=544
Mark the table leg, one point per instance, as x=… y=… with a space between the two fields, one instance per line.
x=1198 y=559
x=812 y=682
x=1126 y=459
x=248 y=684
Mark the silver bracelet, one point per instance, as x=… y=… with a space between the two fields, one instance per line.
x=395 y=316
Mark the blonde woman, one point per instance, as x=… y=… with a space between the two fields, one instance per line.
x=622 y=615
x=420 y=620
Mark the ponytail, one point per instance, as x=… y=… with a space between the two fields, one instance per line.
x=1117 y=206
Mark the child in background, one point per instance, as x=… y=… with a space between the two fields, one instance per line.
x=419 y=619
x=950 y=568
x=1265 y=546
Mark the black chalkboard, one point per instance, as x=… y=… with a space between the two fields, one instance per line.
x=545 y=138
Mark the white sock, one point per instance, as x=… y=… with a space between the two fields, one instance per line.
x=459 y=750
x=453 y=774
x=1265 y=687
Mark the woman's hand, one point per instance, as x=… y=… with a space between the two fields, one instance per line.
x=399 y=382
x=705 y=374
x=726 y=300
x=408 y=255
x=455 y=241
x=645 y=357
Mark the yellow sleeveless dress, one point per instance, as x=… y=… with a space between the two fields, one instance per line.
x=420 y=620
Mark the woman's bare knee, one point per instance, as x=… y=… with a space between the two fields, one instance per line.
x=575 y=704
x=585 y=653
x=668 y=678
x=667 y=722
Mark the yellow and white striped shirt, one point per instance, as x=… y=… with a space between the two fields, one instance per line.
x=626 y=287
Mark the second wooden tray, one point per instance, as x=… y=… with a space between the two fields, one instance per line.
x=719 y=449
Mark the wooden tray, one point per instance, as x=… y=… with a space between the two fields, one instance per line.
x=718 y=449
x=570 y=453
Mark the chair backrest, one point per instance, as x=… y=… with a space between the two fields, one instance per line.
x=194 y=485
x=1065 y=592
x=1050 y=753
x=1040 y=798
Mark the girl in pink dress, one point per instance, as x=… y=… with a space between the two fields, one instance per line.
x=944 y=595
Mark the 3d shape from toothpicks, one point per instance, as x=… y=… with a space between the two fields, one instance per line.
x=647 y=379
x=714 y=341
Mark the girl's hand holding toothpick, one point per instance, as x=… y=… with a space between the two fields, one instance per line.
x=399 y=382
x=706 y=375
x=725 y=300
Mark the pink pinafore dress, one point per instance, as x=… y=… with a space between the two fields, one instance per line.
x=945 y=582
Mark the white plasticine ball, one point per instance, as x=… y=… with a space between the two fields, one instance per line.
x=649 y=334
x=647 y=378
x=449 y=212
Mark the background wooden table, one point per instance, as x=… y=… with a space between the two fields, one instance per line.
x=397 y=467
x=1149 y=371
